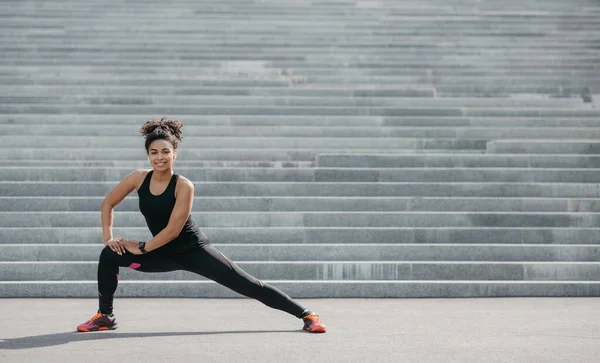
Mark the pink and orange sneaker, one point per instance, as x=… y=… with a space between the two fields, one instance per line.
x=313 y=324
x=99 y=322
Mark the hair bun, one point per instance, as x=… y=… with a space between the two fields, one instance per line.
x=172 y=127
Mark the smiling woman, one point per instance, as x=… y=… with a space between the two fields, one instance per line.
x=165 y=200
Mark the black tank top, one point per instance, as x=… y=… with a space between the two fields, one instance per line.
x=157 y=211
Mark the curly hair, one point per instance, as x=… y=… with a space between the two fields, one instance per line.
x=164 y=129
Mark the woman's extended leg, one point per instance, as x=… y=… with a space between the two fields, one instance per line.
x=211 y=263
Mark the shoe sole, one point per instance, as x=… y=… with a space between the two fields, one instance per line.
x=318 y=329
x=84 y=330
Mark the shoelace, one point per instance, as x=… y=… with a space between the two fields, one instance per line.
x=96 y=317
x=313 y=317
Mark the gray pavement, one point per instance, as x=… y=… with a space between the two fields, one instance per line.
x=359 y=330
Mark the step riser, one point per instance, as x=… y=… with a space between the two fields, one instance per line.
x=303 y=289
x=462 y=161
x=372 y=122
x=543 y=147
x=314 y=219
x=496 y=190
x=299 y=47
x=534 y=63
x=342 y=252
x=447 y=86
x=341 y=161
x=131 y=204
x=309 y=102
x=324 y=271
x=406 y=92
x=221 y=91
x=290 y=143
x=279 y=111
x=91 y=132
x=139 y=154
x=145 y=164
x=308 y=175
x=411 y=234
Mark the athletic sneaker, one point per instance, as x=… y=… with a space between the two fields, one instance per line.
x=99 y=322
x=313 y=323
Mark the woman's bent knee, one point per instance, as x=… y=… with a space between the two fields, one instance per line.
x=108 y=255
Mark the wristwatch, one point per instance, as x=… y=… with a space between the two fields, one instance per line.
x=142 y=247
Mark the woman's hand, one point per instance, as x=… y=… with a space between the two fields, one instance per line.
x=131 y=245
x=116 y=245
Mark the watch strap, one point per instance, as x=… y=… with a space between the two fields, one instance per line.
x=142 y=247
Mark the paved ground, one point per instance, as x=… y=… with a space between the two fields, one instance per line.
x=360 y=330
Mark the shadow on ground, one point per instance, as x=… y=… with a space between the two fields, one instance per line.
x=48 y=340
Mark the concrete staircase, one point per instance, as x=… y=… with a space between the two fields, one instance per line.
x=439 y=148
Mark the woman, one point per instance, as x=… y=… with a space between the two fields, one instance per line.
x=165 y=200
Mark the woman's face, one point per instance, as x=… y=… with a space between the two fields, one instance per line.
x=161 y=155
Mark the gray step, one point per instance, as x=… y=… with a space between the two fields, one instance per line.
x=136 y=121
x=309 y=289
x=217 y=91
x=258 y=68
x=373 y=122
x=540 y=30
x=532 y=112
x=467 y=61
x=432 y=11
x=386 y=51
x=365 y=189
x=333 y=252
x=321 y=235
x=297 y=111
x=314 y=56
x=355 y=160
x=139 y=154
x=257 y=163
x=315 y=219
x=456 y=174
x=445 y=84
x=192 y=154
x=308 y=45
x=515 y=11
x=290 y=101
x=327 y=270
x=456 y=89
x=354 y=80
x=474 y=123
x=212 y=36
x=274 y=204
x=218 y=39
x=317 y=132
x=349 y=12
x=500 y=90
x=210 y=142
x=349 y=160
x=566 y=146
x=230 y=110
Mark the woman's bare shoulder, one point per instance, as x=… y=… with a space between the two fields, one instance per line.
x=184 y=182
x=137 y=177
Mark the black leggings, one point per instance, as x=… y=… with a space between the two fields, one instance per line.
x=204 y=260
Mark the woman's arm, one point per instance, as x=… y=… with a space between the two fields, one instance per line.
x=119 y=192
x=184 y=193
